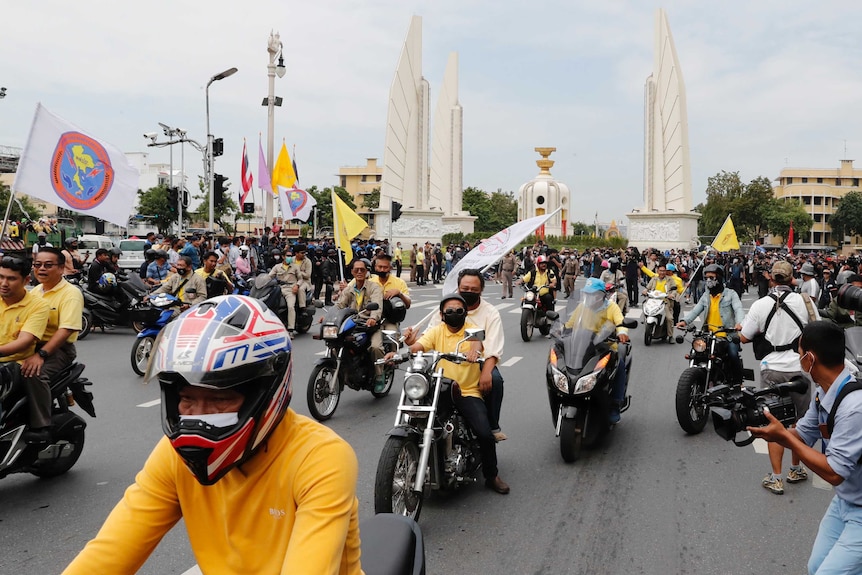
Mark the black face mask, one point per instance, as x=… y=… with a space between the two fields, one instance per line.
x=382 y=275
x=471 y=298
x=456 y=321
x=182 y=271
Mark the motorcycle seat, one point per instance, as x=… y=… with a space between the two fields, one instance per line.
x=392 y=545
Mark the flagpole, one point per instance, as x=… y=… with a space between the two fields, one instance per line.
x=8 y=211
x=335 y=229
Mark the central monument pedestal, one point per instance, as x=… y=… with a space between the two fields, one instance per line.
x=663 y=230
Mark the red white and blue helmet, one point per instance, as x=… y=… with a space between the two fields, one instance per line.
x=227 y=342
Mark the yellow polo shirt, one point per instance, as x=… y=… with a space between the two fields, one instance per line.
x=466 y=374
x=30 y=315
x=66 y=307
x=392 y=282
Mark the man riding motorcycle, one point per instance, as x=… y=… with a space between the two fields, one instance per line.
x=355 y=295
x=594 y=313
x=722 y=308
x=391 y=285
x=663 y=281
x=545 y=278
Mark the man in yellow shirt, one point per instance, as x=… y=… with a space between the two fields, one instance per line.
x=260 y=488
x=184 y=284
x=444 y=337
x=545 y=278
x=393 y=287
x=664 y=281
x=23 y=318
x=56 y=348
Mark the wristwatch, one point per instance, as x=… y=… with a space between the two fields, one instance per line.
x=43 y=354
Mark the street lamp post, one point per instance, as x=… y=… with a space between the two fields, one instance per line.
x=210 y=167
x=274 y=47
x=182 y=140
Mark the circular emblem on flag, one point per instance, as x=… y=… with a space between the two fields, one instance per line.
x=81 y=171
x=297 y=199
x=496 y=244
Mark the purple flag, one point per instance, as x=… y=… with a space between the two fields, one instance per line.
x=263 y=180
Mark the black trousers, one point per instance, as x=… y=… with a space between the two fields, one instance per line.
x=632 y=290
x=474 y=411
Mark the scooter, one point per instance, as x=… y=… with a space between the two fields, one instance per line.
x=158 y=314
x=348 y=361
x=268 y=290
x=101 y=310
x=64 y=448
x=653 y=316
x=582 y=366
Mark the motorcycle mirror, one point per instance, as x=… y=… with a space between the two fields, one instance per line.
x=372 y=306
x=552 y=315
x=680 y=339
x=630 y=323
x=475 y=334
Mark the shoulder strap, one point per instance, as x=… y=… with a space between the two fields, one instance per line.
x=808 y=306
x=780 y=303
x=849 y=388
x=179 y=287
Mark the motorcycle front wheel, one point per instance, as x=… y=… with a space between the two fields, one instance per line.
x=323 y=393
x=526 y=324
x=396 y=477
x=86 y=324
x=141 y=350
x=52 y=468
x=572 y=436
x=648 y=330
x=691 y=413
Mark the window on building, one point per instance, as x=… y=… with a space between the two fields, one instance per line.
x=826 y=218
x=789 y=181
x=819 y=180
x=817 y=237
x=379 y=177
x=818 y=200
x=343 y=181
x=837 y=181
x=818 y=218
x=163 y=181
x=855 y=182
x=364 y=178
x=804 y=180
x=806 y=200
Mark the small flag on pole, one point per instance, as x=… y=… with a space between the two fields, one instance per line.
x=263 y=180
x=247 y=178
x=790 y=239
x=283 y=175
x=726 y=239
x=347 y=225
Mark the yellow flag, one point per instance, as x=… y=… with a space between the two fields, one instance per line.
x=347 y=225
x=726 y=239
x=283 y=174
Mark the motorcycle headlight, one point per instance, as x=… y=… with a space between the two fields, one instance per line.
x=587 y=383
x=529 y=296
x=699 y=345
x=330 y=332
x=561 y=380
x=415 y=386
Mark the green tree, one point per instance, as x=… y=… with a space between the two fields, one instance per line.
x=478 y=203
x=778 y=215
x=723 y=190
x=223 y=214
x=154 y=206
x=750 y=208
x=324 y=203
x=22 y=209
x=847 y=219
x=504 y=210
x=371 y=200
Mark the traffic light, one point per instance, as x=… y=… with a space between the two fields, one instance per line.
x=219 y=187
x=173 y=199
x=218 y=147
x=396 y=211
x=248 y=208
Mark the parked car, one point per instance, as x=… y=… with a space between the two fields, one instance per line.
x=90 y=243
x=133 y=253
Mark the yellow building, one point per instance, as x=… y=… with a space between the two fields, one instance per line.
x=360 y=180
x=819 y=191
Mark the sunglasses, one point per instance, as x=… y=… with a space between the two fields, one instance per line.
x=455 y=311
x=46 y=265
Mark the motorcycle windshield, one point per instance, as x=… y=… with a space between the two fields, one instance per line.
x=853 y=342
x=581 y=327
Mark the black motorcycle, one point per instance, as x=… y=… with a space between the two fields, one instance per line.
x=62 y=451
x=533 y=313
x=707 y=368
x=582 y=367
x=102 y=310
x=392 y=545
x=268 y=290
x=348 y=361
x=431 y=446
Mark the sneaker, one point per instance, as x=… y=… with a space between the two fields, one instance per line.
x=614 y=415
x=380 y=384
x=773 y=484
x=795 y=475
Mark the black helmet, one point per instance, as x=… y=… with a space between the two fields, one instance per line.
x=116 y=252
x=70 y=242
x=714 y=268
x=275 y=252
x=150 y=254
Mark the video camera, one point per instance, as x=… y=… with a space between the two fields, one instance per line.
x=850 y=297
x=735 y=408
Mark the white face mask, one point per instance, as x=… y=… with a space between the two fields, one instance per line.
x=215 y=419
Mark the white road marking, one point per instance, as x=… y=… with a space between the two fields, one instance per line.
x=193 y=571
x=321 y=352
x=511 y=361
x=430 y=303
x=634 y=313
x=501 y=306
x=150 y=403
x=819 y=483
x=516 y=310
x=760 y=446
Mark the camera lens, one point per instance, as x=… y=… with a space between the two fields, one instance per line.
x=850 y=297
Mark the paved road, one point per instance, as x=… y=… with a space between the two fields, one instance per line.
x=651 y=500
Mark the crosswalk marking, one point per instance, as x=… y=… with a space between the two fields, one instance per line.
x=502 y=306
x=516 y=310
x=511 y=361
x=430 y=303
x=152 y=403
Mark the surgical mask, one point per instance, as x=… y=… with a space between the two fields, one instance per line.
x=276 y=258
x=227 y=419
x=456 y=321
x=807 y=371
x=471 y=298
x=288 y=260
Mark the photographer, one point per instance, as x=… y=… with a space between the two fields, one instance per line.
x=821 y=355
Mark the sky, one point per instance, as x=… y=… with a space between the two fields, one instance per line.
x=770 y=84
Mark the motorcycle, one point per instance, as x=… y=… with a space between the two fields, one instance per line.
x=392 y=545
x=64 y=448
x=707 y=369
x=348 y=361
x=431 y=446
x=242 y=284
x=101 y=310
x=158 y=313
x=582 y=367
x=533 y=313
x=268 y=290
x=653 y=316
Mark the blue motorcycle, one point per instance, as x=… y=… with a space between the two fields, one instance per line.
x=154 y=317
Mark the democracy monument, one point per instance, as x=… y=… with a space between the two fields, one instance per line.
x=667 y=219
